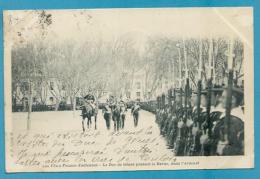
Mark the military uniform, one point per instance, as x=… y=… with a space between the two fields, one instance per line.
x=192 y=135
x=235 y=141
x=195 y=147
x=107 y=112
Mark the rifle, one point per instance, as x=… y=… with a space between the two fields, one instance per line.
x=163 y=113
x=198 y=103
x=208 y=117
x=179 y=136
x=223 y=144
x=174 y=100
x=199 y=87
x=228 y=104
x=174 y=116
x=168 y=114
x=186 y=99
x=208 y=123
x=188 y=119
x=163 y=101
x=209 y=91
x=170 y=97
x=179 y=142
x=157 y=109
x=197 y=124
x=158 y=102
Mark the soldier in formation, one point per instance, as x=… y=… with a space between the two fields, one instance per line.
x=201 y=123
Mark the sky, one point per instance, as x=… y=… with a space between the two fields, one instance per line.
x=140 y=24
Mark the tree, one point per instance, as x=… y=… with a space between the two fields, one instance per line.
x=27 y=65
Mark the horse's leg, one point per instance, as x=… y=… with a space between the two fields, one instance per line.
x=114 y=120
x=89 y=120
x=83 y=127
x=108 y=121
x=123 y=121
x=95 y=121
x=107 y=124
x=117 y=123
x=105 y=118
x=134 y=119
x=137 y=118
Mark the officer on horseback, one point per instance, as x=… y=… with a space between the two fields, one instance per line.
x=90 y=100
x=89 y=109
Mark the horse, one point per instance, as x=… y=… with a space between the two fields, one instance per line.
x=87 y=112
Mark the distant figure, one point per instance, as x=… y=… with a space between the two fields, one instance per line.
x=135 y=113
x=107 y=112
x=123 y=110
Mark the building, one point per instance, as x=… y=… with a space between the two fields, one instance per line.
x=137 y=90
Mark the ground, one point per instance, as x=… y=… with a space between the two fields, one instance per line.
x=57 y=137
x=54 y=121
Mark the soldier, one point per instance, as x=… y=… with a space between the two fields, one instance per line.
x=158 y=108
x=198 y=117
x=179 y=144
x=195 y=124
x=163 y=114
x=209 y=121
x=231 y=143
x=135 y=113
x=123 y=110
x=171 y=116
x=90 y=99
x=168 y=115
x=172 y=133
x=189 y=122
x=107 y=112
x=166 y=120
x=160 y=113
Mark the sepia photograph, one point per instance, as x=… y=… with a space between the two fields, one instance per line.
x=128 y=89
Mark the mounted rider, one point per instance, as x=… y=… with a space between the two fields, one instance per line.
x=89 y=100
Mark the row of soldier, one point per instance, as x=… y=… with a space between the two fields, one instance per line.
x=205 y=132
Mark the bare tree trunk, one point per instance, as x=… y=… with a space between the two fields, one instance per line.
x=29 y=106
x=74 y=106
x=24 y=105
x=57 y=104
